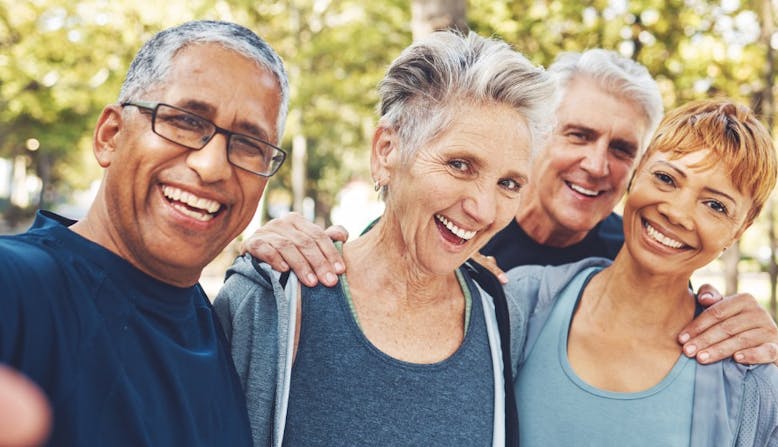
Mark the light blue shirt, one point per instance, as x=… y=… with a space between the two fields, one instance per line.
x=557 y=408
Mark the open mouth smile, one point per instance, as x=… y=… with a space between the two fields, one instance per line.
x=198 y=208
x=661 y=238
x=452 y=232
x=584 y=191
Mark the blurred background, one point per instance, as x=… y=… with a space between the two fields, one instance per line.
x=62 y=61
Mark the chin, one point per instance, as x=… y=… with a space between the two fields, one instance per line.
x=579 y=224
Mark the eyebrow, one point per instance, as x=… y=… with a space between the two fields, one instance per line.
x=579 y=127
x=619 y=143
x=208 y=111
x=707 y=188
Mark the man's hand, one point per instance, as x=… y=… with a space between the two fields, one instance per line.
x=490 y=264
x=733 y=326
x=297 y=243
x=25 y=416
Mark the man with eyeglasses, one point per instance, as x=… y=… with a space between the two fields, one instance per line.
x=105 y=314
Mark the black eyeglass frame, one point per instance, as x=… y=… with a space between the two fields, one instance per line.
x=154 y=106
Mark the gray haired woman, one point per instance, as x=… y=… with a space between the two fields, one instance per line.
x=404 y=349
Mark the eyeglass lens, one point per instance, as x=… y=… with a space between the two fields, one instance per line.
x=195 y=132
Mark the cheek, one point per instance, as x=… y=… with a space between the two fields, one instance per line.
x=621 y=172
x=718 y=235
x=251 y=192
x=556 y=160
x=507 y=208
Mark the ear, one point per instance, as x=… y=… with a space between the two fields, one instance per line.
x=384 y=155
x=104 y=140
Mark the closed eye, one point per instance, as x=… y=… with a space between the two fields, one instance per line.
x=624 y=151
x=578 y=137
x=185 y=121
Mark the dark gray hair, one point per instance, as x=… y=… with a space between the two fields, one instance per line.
x=155 y=58
x=616 y=74
x=447 y=68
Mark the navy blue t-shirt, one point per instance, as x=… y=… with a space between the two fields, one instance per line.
x=512 y=247
x=123 y=358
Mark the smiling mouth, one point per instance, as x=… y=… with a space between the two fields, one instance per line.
x=453 y=233
x=654 y=234
x=198 y=208
x=584 y=191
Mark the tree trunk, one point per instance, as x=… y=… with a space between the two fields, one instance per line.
x=298 y=172
x=772 y=266
x=43 y=171
x=433 y=15
x=767 y=110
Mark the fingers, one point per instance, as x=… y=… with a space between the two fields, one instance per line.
x=337 y=233
x=707 y=295
x=736 y=326
x=765 y=353
x=490 y=264
x=25 y=416
x=294 y=242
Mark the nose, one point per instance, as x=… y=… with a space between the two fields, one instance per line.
x=595 y=160
x=481 y=206
x=678 y=212
x=211 y=163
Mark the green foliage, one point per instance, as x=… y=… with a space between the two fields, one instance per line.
x=336 y=52
x=694 y=48
x=61 y=62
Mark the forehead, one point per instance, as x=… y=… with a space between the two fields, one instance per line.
x=585 y=103
x=243 y=96
x=495 y=134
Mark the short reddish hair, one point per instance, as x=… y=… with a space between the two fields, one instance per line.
x=735 y=137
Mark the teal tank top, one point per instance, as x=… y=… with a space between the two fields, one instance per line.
x=346 y=392
x=557 y=408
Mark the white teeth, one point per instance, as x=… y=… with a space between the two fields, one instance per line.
x=582 y=190
x=202 y=217
x=661 y=238
x=207 y=206
x=464 y=234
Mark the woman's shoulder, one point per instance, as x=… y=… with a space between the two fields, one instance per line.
x=531 y=278
x=248 y=281
x=766 y=377
x=758 y=381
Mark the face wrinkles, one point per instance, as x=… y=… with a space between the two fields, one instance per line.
x=461 y=188
x=679 y=216
x=161 y=196
x=582 y=173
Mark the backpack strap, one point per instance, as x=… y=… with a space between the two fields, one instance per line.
x=491 y=285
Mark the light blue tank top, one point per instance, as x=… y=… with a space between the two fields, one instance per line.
x=346 y=392
x=557 y=408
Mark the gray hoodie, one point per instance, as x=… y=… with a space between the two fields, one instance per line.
x=257 y=315
x=734 y=404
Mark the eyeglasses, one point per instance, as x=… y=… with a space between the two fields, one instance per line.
x=194 y=132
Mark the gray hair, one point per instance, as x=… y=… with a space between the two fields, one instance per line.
x=446 y=68
x=616 y=74
x=155 y=58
